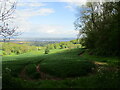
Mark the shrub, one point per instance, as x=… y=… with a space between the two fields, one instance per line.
x=47 y=51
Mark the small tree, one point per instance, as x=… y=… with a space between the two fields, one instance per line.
x=47 y=51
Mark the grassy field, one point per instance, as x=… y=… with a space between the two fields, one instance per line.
x=61 y=68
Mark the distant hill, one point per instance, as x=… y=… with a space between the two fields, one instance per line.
x=39 y=39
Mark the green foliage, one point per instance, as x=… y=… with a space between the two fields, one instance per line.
x=10 y=48
x=50 y=46
x=63 y=45
x=9 y=81
x=100 y=29
x=13 y=48
x=108 y=78
x=47 y=51
x=76 y=41
x=56 y=46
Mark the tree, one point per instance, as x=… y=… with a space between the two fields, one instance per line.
x=7 y=27
x=99 y=23
x=47 y=50
x=57 y=46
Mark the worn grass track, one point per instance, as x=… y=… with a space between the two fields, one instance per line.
x=61 y=68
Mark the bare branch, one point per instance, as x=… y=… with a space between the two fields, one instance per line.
x=7 y=30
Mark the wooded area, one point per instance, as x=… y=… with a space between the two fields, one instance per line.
x=99 y=25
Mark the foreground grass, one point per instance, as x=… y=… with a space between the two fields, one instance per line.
x=73 y=69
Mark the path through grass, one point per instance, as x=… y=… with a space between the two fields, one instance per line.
x=75 y=70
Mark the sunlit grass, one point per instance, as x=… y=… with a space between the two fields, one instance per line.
x=62 y=63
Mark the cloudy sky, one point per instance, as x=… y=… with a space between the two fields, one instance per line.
x=38 y=18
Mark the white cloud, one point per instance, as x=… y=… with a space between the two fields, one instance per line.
x=22 y=17
x=27 y=13
x=52 y=0
x=23 y=24
x=48 y=30
x=73 y=4
x=35 y=4
x=69 y=7
x=54 y=30
x=44 y=11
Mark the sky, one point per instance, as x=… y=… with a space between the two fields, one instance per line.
x=38 y=18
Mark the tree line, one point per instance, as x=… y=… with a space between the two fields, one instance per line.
x=99 y=27
x=14 y=48
x=62 y=45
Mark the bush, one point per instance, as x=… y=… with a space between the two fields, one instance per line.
x=47 y=51
x=10 y=82
x=109 y=79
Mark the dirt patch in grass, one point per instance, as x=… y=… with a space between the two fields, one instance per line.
x=100 y=63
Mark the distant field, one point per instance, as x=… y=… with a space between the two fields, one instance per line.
x=0 y=48
x=30 y=54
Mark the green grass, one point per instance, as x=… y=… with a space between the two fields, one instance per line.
x=17 y=62
x=0 y=52
x=73 y=69
x=110 y=60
